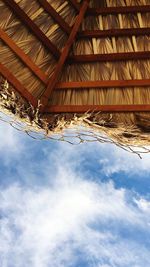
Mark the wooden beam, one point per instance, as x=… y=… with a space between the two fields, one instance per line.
x=17 y=85
x=23 y=57
x=114 y=33
x=109 y=57
x=33 y=27
x=52 y=12
x=52 y=82
x=75 y=4
x=104 y=84
x=112 y=10
x=97 y=108
x=118 y=10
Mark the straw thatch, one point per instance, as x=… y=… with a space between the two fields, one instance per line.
x=129 y=128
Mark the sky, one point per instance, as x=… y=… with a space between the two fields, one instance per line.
x=61 y=205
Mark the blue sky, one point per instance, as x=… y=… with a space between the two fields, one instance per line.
x=64 y=205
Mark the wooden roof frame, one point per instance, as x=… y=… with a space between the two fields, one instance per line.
x=33 y=27
x=96 y=108
x=111 y=10
x=62 y=57
x=103 y=84
x=65 y=52
x=114 y=33
x=17 y=85
x=112 y=57
x=118 y=10
x=53 y=13
x=23 y=57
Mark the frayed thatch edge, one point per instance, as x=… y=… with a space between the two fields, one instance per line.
x=85 y=127
x=12 y=104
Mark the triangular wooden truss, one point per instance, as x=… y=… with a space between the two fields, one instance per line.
x=64 y=56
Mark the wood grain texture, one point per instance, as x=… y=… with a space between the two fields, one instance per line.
x=109 y=57
x=104 y=84
x=97 y=108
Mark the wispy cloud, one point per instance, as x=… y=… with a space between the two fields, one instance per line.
x=63 y=216
x=109 y=159
x=72 y=221
x=116 y=160
x=11 y=143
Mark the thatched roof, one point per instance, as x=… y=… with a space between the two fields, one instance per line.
x=78 y=57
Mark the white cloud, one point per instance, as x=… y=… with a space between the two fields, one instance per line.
x=8 y=139
x=11 y=144
x=115 y=160
x=143 y=204
x=52 y=226
x=72 y=219
x=110 y=158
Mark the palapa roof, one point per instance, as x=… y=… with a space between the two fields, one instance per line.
x=78 y=57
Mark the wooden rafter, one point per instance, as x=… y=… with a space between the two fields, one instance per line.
x=33 y=27
x=24 y=58
x=109 y=57
x=63 y=57
x=104 y=84
x=52 y=12
x=52 y=82
x=112 y=10
x=118 y=10
x=114 y=33
x=97 y=108
x=99 y=33
x=17 y=85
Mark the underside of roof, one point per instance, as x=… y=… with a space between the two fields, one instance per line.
x=78 y=57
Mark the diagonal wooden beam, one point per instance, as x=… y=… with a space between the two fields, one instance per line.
x=52 y=82
x=109 y=57
x=97 y=108
x=17 y=85
x=23 y=57
x=52 y=12
x=32 y=27
x=118 y=10
x=104 y=84
x=114 y=33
